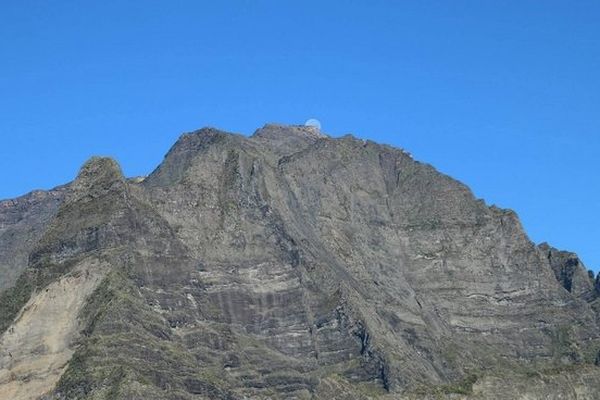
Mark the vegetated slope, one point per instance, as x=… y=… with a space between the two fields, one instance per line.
x=293 y=265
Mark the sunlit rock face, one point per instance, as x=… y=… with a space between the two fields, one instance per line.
x=285 y=265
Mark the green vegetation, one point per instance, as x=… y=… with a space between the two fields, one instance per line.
x=13 y=299
x=464 y=386
x=127 y=348
x=563 y=345
x=363 y=390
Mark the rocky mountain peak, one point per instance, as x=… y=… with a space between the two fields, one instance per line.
x=279 y=131
x=181 y=155
x=285 y=265
x=196 y=140
x=287 y=139
x=97 y=176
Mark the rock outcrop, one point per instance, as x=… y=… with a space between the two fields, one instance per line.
x=290 y=264
x=570 y=272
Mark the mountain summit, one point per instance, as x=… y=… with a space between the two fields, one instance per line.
x=286 y=265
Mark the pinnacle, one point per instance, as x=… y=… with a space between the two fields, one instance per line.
x=98 y=174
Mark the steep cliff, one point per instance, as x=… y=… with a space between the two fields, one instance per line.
x=288 y=264
x=22 y=222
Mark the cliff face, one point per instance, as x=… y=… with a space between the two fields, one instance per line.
x=22 y=222
x=571 y=273
x=288 y=265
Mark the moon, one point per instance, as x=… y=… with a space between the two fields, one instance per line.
x=313 y=122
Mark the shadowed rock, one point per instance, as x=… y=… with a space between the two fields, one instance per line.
x=570 y=272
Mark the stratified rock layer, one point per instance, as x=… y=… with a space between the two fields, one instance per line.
x=293 y=265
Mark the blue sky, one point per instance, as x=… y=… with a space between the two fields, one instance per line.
x=503 y=95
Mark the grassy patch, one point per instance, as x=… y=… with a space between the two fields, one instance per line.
x=13 y=299
x=464 y=386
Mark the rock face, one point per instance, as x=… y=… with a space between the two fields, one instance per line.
x=570 y=272
x=287 y=265
x=22 y=222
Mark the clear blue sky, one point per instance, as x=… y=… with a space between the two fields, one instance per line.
x=503 y=95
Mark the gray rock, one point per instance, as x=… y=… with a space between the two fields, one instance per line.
x=570 y=272
x=293 y=265
x=22 y=222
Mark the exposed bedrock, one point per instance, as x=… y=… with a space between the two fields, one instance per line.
x=290 y=264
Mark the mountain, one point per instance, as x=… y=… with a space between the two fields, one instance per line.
x=284 y=265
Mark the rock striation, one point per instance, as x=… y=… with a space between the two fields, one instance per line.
x=288 y=264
